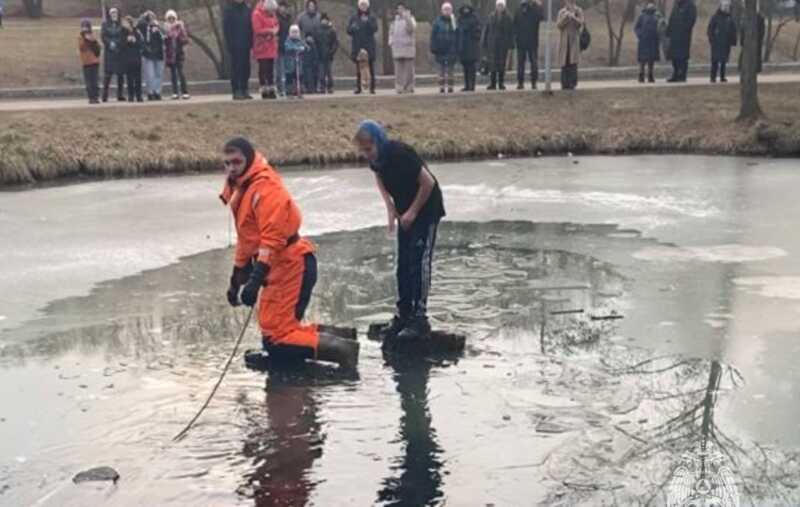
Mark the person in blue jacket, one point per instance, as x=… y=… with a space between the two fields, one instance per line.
x=444 y=46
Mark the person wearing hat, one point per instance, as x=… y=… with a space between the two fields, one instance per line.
x=175 y=54
x=498 y=40
x=89 y=51
x=679 y=32
x=721 y=37
x=468 y=40
x=274 y=265
x=444 y=46
x=362 y=28
x=265 y=45
x=413 y=201
x=327 y=46
x=113 y=64
x=649 y=48
x=526 y=32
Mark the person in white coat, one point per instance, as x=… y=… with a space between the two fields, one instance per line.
x=403 y=41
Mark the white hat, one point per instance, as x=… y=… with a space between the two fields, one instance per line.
x=364 y=4
x=171 y=14
x=498 y=3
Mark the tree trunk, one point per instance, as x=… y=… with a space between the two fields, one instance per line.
x=772 y=40
x=796 y=47
x=767 y=46
x=225 y=65
x=33 y=8
x=749 y=110
x=611 y=34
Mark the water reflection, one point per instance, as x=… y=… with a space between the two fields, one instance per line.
x=286 y=440
x=420 y=467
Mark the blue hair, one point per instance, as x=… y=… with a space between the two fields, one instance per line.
x=377 y=133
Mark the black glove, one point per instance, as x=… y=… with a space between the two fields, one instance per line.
x=257 y=278
x=238 y=278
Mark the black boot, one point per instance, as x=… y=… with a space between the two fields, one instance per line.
x=342 y=351
x=492 y=81
x=501 y=81
x=416 y=329
x=390 y=330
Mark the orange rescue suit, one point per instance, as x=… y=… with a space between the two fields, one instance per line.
x=267 y=226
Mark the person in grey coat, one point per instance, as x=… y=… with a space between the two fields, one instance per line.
x=721 y=37
x=498 y=40
x=403 y=41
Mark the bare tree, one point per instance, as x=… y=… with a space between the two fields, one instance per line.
x=750 y=109
x=774 y=10
x=615 y=36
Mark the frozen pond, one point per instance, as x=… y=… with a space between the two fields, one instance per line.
x=114 y=325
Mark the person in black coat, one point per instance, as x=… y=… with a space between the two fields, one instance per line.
x=649 y=49
x=498 y=40
x=526 y=32
x=679 y=31
x=468 y=42
x=238 y=29
x=362 y=28
x=111 y=33
x=132 y=45
x=721 y=37
x=152 y=54
x=327 y=46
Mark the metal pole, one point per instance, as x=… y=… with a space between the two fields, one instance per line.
x=103 y=9
x=548 y=73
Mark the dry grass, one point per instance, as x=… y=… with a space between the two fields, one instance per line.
x=120 y=142
x=43 y=53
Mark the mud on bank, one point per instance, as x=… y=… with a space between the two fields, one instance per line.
x=126 y=141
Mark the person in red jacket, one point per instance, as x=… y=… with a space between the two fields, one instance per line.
x=265 y=45
x=273 y=259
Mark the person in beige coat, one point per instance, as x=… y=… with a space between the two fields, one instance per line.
x=403 y=41
x=570 y=22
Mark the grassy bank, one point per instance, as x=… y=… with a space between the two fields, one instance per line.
x=120 y=142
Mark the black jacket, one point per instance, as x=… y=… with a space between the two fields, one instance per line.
x=132 y=51
x=526 y=25
x=468 y=35
x=111 y=33
x=679 y=29
x=237 y=25
x=327 y=42
x=363 y=34
x=152 y=41
x=721 y=36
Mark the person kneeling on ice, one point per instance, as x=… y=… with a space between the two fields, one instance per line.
x=414 y=199
x=272 y=257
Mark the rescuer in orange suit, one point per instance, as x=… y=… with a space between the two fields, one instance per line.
x=272 y=257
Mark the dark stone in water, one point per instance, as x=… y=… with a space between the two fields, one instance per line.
x=438 y=342
x=97 y=474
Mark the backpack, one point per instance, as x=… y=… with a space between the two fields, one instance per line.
x=585 y=39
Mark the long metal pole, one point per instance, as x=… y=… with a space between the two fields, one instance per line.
x=548 y=72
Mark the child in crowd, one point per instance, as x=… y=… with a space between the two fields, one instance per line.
x=132 y=58
x=175 y=54
x=89 y=50
x=295 y=49
x=327 y=45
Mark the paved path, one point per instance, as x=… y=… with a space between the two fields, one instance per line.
x=51 y=104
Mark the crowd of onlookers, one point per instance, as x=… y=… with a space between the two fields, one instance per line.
x=134 y=50
x=295 y=54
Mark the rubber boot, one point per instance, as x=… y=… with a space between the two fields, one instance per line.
x=342 y=351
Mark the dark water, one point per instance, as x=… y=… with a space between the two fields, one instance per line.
x=556 y=400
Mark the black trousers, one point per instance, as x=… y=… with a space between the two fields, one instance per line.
x=470 y=75
x=240 y=71
x=91 y=76
x=120 y=85
x=649 y=66
x=178 y=77
x=372 y=77
x=287 y=354
x=266 y=72
x=527 y=55
x=326 y=75
x=718 y=66
x=310 y=71
x=414 y=267
x=569 y=77
x=134 y=76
